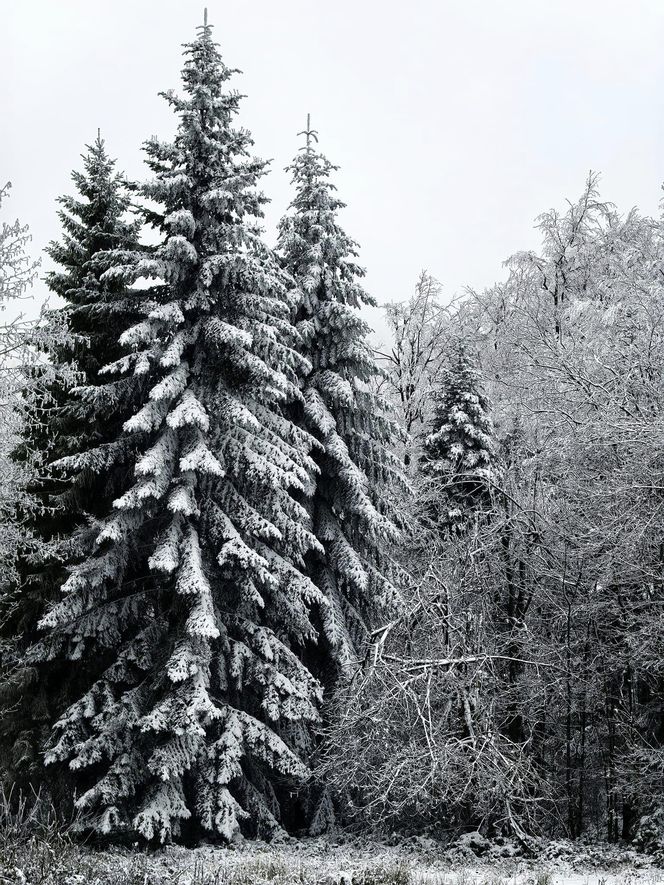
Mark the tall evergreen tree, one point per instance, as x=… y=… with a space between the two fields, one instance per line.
x=192 y=593
x=353 y=517
x=98 y=308
x=459 y=454
x=60 y=422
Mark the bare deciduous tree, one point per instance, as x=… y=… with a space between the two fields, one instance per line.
x=420 y=330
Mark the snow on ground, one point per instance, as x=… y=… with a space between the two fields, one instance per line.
x=316 y=862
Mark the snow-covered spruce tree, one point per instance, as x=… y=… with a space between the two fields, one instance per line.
x=353 y=517
x=193 y=593
x=59 y=422
x=459 y=453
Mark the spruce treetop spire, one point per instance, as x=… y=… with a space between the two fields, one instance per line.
x=205 y=28
x=309 y=133
x=99 y=147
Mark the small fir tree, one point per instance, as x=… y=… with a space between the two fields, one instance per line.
x=60 y=422
x=459 y=453
x=353 y=518
x=193 y=594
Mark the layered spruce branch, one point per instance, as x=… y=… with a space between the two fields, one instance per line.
x=194 y=593
x=353 y=515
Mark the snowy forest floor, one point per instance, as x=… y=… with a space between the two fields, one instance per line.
x=321 y=862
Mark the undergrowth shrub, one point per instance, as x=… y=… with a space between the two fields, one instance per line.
x=35 y=847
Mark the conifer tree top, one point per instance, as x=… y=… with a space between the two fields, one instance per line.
x=461 y=434
x=90 y=225
x=206 y=146
x=311 y=236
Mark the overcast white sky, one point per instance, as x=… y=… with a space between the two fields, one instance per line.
x=455 y=122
